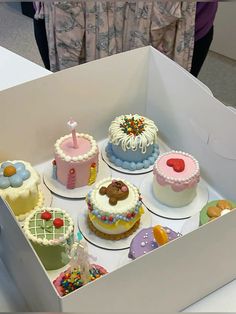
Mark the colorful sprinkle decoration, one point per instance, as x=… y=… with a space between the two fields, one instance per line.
x=132 y=126
x=71 y=280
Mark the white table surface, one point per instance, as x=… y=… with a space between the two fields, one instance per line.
x=16 y=70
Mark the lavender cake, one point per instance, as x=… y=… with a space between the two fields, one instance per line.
x=145 y=242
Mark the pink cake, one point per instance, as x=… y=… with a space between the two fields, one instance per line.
x=71 y=279
x=76 y=167
x=176 y=175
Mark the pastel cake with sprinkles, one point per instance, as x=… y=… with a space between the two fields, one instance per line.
x=72 y=279
x=149 y=239
x=20 y=187
x=114 y=209
x=176 y=175
x=132 y=142
x=51 y=232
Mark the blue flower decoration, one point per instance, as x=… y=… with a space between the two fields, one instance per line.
x=16 y=180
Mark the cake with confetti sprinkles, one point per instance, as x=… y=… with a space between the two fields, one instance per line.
x=216 y=209
x=72 y=279
x=76 y=159
x=132 y=142
x=175 y=178
x=149 y=239
x=51 y=232
x=19 y=187
x=114 y=209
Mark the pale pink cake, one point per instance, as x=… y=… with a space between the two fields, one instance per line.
x=76 y=167
x=176 y=175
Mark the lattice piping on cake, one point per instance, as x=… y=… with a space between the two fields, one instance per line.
x=38 y=218
x=55 y=241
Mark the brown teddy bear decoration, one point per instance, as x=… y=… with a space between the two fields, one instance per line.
x=116 y=191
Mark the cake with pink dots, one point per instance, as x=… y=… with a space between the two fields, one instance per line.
x=76 y=159
x=175 y=178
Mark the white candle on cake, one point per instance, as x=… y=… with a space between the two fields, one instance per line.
x=72 y=126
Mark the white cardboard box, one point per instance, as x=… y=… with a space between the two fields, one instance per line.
x=189 y=118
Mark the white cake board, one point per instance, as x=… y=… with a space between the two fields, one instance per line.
x=190 y=224
x=164 y=211
x=126 y=171
x=61 y=190
x=122 y=244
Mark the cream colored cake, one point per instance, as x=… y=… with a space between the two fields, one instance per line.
x=115 y=208
x=19 y=187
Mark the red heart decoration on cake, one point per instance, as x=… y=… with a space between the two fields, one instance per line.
x=177 y=164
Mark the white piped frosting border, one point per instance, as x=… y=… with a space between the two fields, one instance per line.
x=89 y=154
x=118 y=137
x=46 y=242
x=176 y=183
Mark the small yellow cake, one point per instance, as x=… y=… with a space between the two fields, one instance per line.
x=19 y=187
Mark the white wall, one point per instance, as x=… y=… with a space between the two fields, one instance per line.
x=224 y=41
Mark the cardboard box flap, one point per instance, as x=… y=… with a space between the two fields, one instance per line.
x=192 y=120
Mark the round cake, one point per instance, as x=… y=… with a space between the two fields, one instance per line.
x=149 y=239
x=132 y=142
x=71 y=279
x=51 y=232
x=114 y=209
x=176 y=175
x=19 y=187
x=75 y=167
x=215 y=209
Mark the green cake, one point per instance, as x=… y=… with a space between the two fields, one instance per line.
x=51 y=232
x=215 y=209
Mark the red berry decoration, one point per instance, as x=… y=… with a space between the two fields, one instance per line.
x=111 y=218
x=129 y=215
x=46 y=215
x=58 y=222
x=103 y=217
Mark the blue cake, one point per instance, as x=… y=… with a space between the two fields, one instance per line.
x=132 y=142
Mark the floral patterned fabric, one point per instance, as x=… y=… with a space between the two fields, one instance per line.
x=87 y=30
